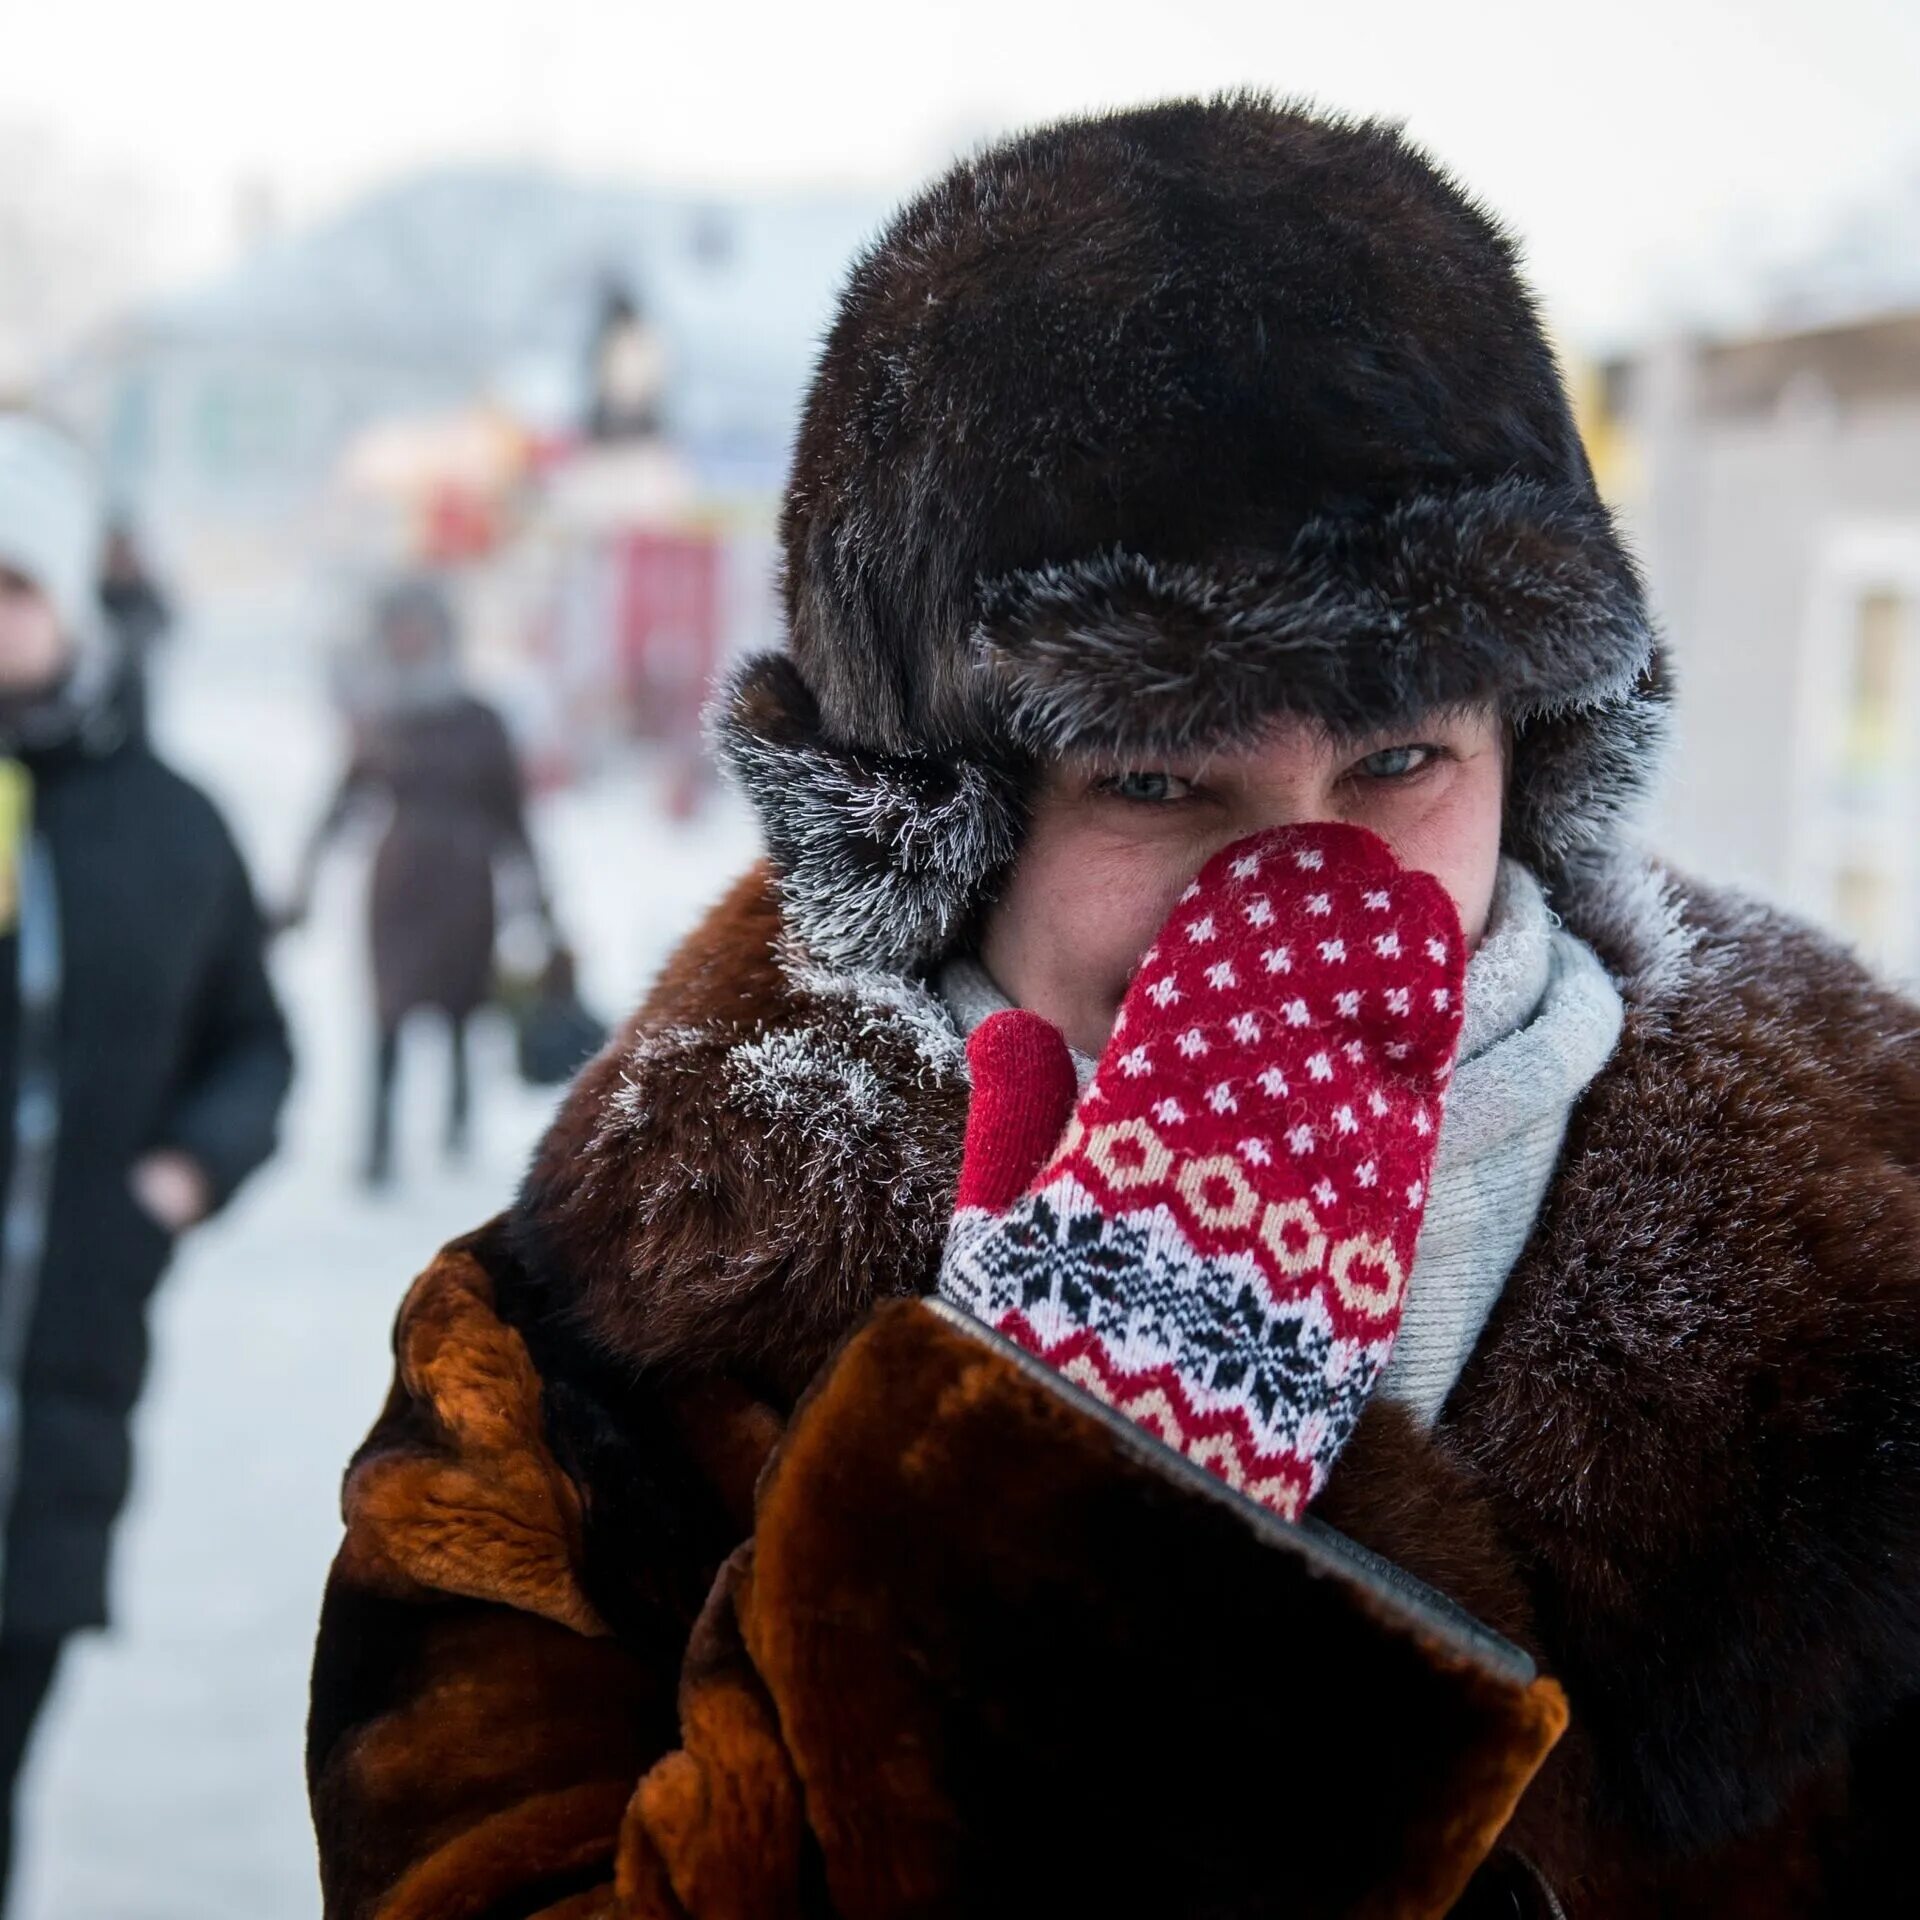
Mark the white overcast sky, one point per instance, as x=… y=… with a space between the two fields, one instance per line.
x=1614 y=137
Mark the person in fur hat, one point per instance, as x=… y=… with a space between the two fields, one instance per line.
x=1207 y=1295
x=142 y=1052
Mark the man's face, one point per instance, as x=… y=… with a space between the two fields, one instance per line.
x=33 y=651
x=1111 y=847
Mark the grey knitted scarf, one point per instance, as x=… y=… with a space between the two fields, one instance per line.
x=1542 y=1019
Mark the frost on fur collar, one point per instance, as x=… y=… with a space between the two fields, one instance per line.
x=881 y=857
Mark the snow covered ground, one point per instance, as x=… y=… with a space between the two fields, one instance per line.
x=167 y=1782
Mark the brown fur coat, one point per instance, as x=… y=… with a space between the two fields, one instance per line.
x=696 y=1568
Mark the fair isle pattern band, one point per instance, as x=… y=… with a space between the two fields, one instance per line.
x=1199 y=1350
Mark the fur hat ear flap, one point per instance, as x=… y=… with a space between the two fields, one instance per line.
x=881 y=858
x=1578 y=789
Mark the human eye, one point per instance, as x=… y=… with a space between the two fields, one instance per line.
x=1145 y=787
x=1396 y=763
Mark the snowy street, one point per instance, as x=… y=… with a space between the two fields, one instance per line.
x=167 y=1783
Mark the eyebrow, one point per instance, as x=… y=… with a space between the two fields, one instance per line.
x=1453 y=713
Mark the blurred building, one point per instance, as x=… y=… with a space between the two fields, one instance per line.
x=223 y=412
x=604 y=572
x=1772 y=480
x=573 y=401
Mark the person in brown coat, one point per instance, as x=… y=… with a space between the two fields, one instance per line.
x=1198 y=599
x=441 y=762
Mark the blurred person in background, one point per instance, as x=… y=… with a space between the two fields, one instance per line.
x=143 y=1062
x=440 y=761
x=138 y=617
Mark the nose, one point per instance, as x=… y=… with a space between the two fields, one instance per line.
x=1272 y=804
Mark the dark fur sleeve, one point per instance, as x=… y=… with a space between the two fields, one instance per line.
x=988 y=1610
x=476 y=1731
x=967 y=1594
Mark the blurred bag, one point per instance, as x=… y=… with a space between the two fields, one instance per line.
x=554 y=1034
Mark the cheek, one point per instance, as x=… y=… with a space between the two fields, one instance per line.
x=1071 y=924
x=1455 y=836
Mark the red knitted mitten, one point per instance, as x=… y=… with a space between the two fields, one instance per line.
x=1219 y=1244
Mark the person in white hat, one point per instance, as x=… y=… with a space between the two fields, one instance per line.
x=143 y=1062
x=51 y=633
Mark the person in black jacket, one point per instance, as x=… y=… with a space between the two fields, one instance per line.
x=143 y=1063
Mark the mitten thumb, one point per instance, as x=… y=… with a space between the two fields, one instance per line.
x=1024 y=1091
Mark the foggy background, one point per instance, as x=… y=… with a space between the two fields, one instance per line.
x=528 y=293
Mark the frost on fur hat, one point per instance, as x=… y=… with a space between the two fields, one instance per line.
x=50 y=519
x=1133 y=432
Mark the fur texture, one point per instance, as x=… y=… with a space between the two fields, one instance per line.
x=744 y=1085
x=1488 y=593
x=940 y=1738
x=1704 y=1427
x=1681 y=1469
x=454 y=1610
x=1134 y=431
x=1690 y=1437
x=882 y=855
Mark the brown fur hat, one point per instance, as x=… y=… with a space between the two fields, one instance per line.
x=1136 y=430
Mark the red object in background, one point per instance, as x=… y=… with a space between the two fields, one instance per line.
x=669 y=627
x=548 y=451
x=458 y=525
